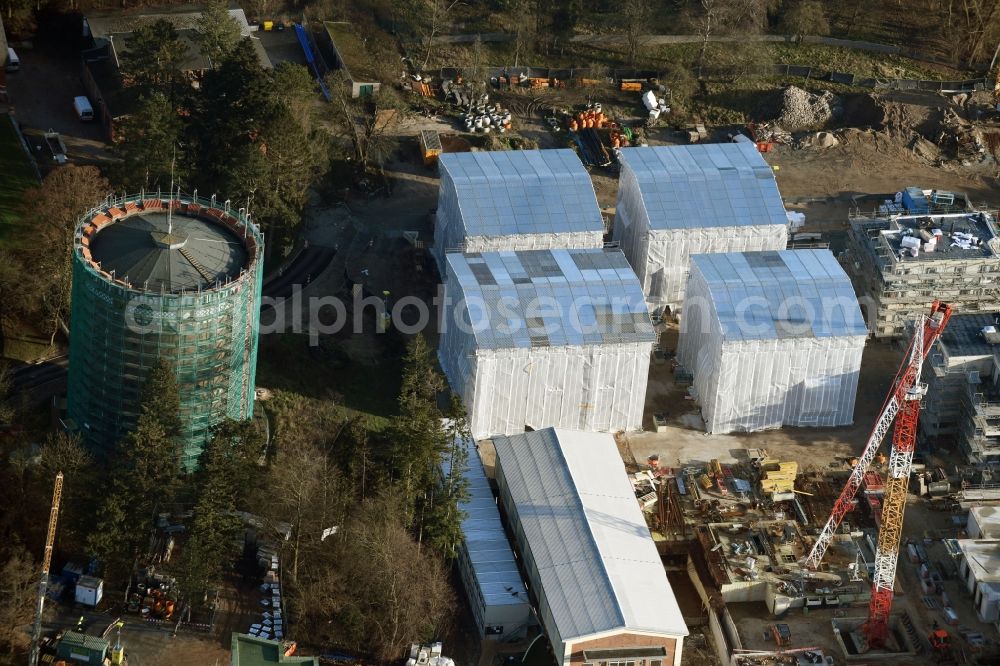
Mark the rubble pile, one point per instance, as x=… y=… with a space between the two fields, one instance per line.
x=800 y=109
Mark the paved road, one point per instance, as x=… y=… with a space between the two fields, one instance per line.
x=42 y=93
x=41 y=380
x=307 y=266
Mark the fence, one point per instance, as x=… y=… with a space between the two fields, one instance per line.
x=662 y=40
x=94 y=93
x=780 y=70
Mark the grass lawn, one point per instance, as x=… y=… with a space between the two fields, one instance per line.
x=18 y=175
x=367 y=385
x=24 y=349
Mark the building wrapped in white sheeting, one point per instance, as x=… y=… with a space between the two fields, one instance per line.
x=515 y=200
x=542 y=338
x=676 y=201
x=772 y=339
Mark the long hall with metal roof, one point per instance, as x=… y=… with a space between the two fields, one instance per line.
x=591 y=562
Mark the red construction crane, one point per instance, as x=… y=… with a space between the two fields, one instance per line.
x=904 y=441
x=904 y=400
x=906 y=377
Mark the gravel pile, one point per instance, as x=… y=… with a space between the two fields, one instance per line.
x=801 y=109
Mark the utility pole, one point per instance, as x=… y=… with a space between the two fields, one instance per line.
x=43 y=582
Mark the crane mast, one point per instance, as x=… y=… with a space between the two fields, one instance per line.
x=902 y=405
x=904 y=440
x=844 y=503
x=43 y=582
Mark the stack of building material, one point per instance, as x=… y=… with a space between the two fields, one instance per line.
x=779 y=477
x=873 y=483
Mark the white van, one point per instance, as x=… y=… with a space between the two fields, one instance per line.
x=84 y=111
x=13 y=62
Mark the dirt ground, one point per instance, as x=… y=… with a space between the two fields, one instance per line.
x=813 y=630
x=686 y=443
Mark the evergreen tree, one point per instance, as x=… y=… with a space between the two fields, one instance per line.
x=143 y=474
x=218 y=32
x=150 y=145
x=443 y=524
x=160 y=399
x=153 y=59
x=228 y=466
x=419 y=437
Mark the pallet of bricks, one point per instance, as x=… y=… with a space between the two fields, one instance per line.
x=777 y=477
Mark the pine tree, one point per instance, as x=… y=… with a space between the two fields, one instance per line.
x=153 y=59
x=443 y=524
x=218 y=32
x=228 y=466
x=150 y=145
x=143 y=474
x=419 y=438
x=161 y=398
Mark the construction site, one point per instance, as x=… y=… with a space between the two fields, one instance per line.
x=807 y=558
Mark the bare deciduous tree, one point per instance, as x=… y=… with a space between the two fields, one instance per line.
x=367 y=122
x=68 y=192
x=636 y=14
x=523 y=17
x=805 y=17
x=727 y=17
x=18 y=585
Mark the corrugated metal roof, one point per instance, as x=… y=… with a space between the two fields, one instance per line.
x=544 y=298
x=597 y=563
x=490 y=554
x=86 y=641
x=503 y=193
x=778 y=294
x=704 y=185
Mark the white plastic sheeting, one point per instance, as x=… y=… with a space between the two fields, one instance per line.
x=772 y=339
x=593 y=387
x=515 y=200
x=676 y=201
x=661 y=258
x=546 y=338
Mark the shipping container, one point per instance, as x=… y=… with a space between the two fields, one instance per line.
x=430 y=146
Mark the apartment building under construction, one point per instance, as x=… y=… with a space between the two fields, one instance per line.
x=900 y=264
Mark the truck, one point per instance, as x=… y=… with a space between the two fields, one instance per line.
x=56 y=146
